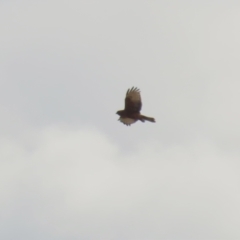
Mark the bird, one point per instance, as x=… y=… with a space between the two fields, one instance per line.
x=133 y=105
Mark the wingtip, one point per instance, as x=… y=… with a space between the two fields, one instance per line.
x=133 y=89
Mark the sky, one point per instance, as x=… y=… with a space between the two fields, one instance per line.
x=70 y=170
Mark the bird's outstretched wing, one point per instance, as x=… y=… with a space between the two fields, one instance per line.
x=133 y=103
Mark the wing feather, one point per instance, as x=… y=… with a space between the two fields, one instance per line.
x=133 y=102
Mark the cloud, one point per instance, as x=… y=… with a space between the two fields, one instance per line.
x=69 y=169
x=75 y=183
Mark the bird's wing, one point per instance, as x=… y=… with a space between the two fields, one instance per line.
x=133 y=103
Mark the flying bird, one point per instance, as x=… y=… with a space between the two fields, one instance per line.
x=133 y=105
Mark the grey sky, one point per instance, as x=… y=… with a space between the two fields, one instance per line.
x=70 y=170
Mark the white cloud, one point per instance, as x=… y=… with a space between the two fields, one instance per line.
x=75 y=183
x=67 y=65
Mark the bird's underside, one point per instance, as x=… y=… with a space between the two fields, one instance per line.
x=133 y=105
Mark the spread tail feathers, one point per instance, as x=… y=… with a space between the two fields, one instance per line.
x=150 y=119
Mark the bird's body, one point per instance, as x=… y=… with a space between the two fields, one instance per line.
x=133 y=105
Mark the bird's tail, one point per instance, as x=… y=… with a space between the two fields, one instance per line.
x=150 y=119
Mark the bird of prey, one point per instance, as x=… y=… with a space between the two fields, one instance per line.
x=133 y=105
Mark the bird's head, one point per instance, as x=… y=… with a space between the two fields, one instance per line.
x=118 y=113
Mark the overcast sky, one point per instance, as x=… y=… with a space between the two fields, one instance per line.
x=70 y=170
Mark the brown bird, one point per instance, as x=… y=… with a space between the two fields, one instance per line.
x=133 y=105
